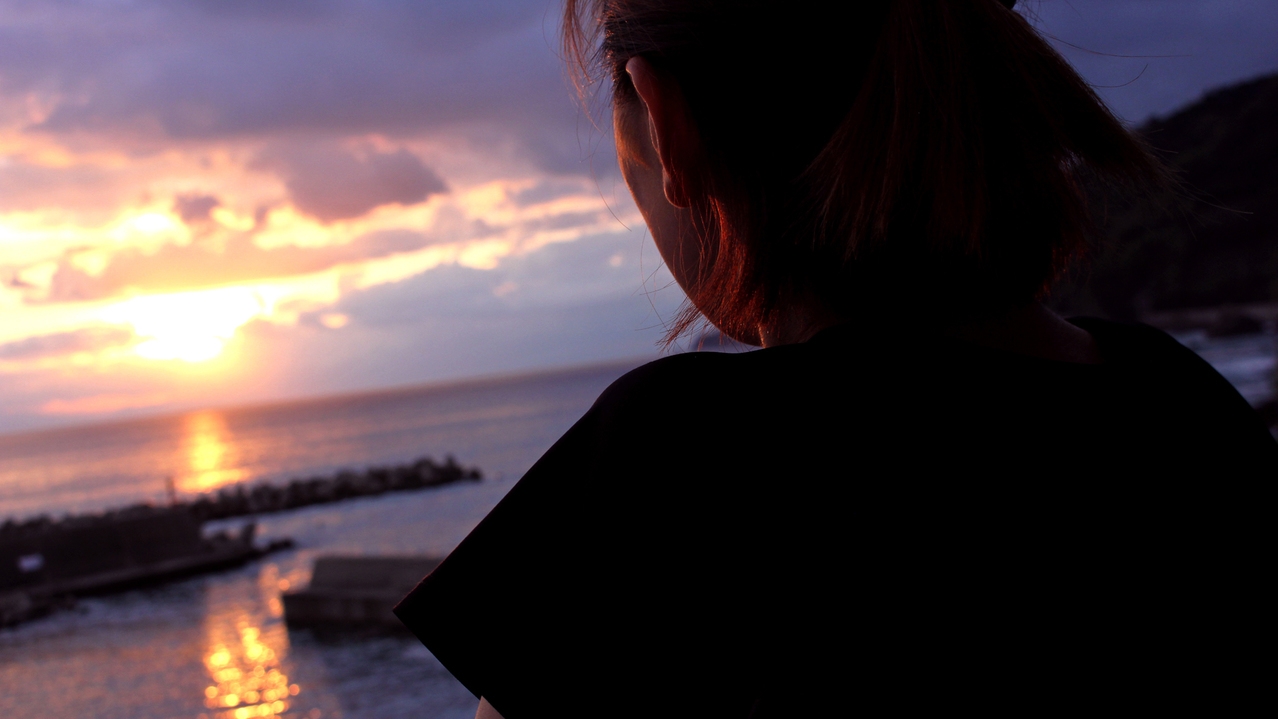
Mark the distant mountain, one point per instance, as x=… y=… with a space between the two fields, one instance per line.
x=1216 y=244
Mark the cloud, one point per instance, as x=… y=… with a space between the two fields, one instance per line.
x=456 y=322
x=147 y=72
x=194 y=209
x=153 y=252
x=181 y=267
x=545 y=190
x=150 y=72
x=103 y=403
x=600 y=298
x=94 y=192
x=330 y=183
x=88 y=339
x=596 y=269
x=217 y=108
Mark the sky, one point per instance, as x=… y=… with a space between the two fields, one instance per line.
x=218 y=202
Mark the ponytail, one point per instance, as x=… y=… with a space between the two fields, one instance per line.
x=923 y=157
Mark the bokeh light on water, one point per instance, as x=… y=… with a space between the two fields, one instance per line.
x=245 y=661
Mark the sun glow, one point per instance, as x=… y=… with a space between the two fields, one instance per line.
x=152 y=222
x=189 y=326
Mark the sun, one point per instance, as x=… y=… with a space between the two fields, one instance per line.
x=187 y=326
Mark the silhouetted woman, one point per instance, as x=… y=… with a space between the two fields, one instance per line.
x=927 y=491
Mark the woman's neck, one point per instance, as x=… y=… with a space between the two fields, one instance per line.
x=798 y=322
x=1032 y=330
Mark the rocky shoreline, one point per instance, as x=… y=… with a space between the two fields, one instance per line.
x=237 y=501
x=240 y=500
x=45 y=563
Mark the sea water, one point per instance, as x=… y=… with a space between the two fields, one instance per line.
x=500 y=425
x=196 y=648
x=182 y=650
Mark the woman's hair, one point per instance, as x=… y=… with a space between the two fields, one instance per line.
x=915 y=156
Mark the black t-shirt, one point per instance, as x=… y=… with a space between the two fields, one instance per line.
x=876 y=523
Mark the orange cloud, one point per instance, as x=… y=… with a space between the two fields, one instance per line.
x=102 y=403
x=239 y=259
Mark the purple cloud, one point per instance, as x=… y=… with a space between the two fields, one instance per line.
x=149 y=72
x=330 y=184
x=89 y=339
x=194 y=209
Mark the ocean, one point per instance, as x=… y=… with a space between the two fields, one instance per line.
x=501 y=425
x=168 y=651
x=173 y=650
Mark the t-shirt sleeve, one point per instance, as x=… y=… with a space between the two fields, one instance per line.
x=622 y=564
x=536 y=609
x=490 y=611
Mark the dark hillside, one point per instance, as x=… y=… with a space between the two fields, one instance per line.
x=1217 y=245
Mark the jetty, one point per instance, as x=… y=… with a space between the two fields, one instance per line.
x=356 y=592
x=48 y=564
x=241 y=500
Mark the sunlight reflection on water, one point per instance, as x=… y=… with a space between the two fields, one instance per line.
x=217 y=647
x=211 y=452
x=244 y=664
x=502 y=425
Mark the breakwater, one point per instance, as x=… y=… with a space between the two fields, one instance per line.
x=241 y=500
x=238 y=501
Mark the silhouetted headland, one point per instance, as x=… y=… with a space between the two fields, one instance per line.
x=1209 y=246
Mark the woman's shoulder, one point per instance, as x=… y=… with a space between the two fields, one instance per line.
x=673 y=375
x=663 y=393
x=1180 y=388
x=1125 y=342
x=1151 y=395
x=1133 y=346
x=704 y=383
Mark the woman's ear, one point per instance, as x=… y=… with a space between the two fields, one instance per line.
x=674 y=134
